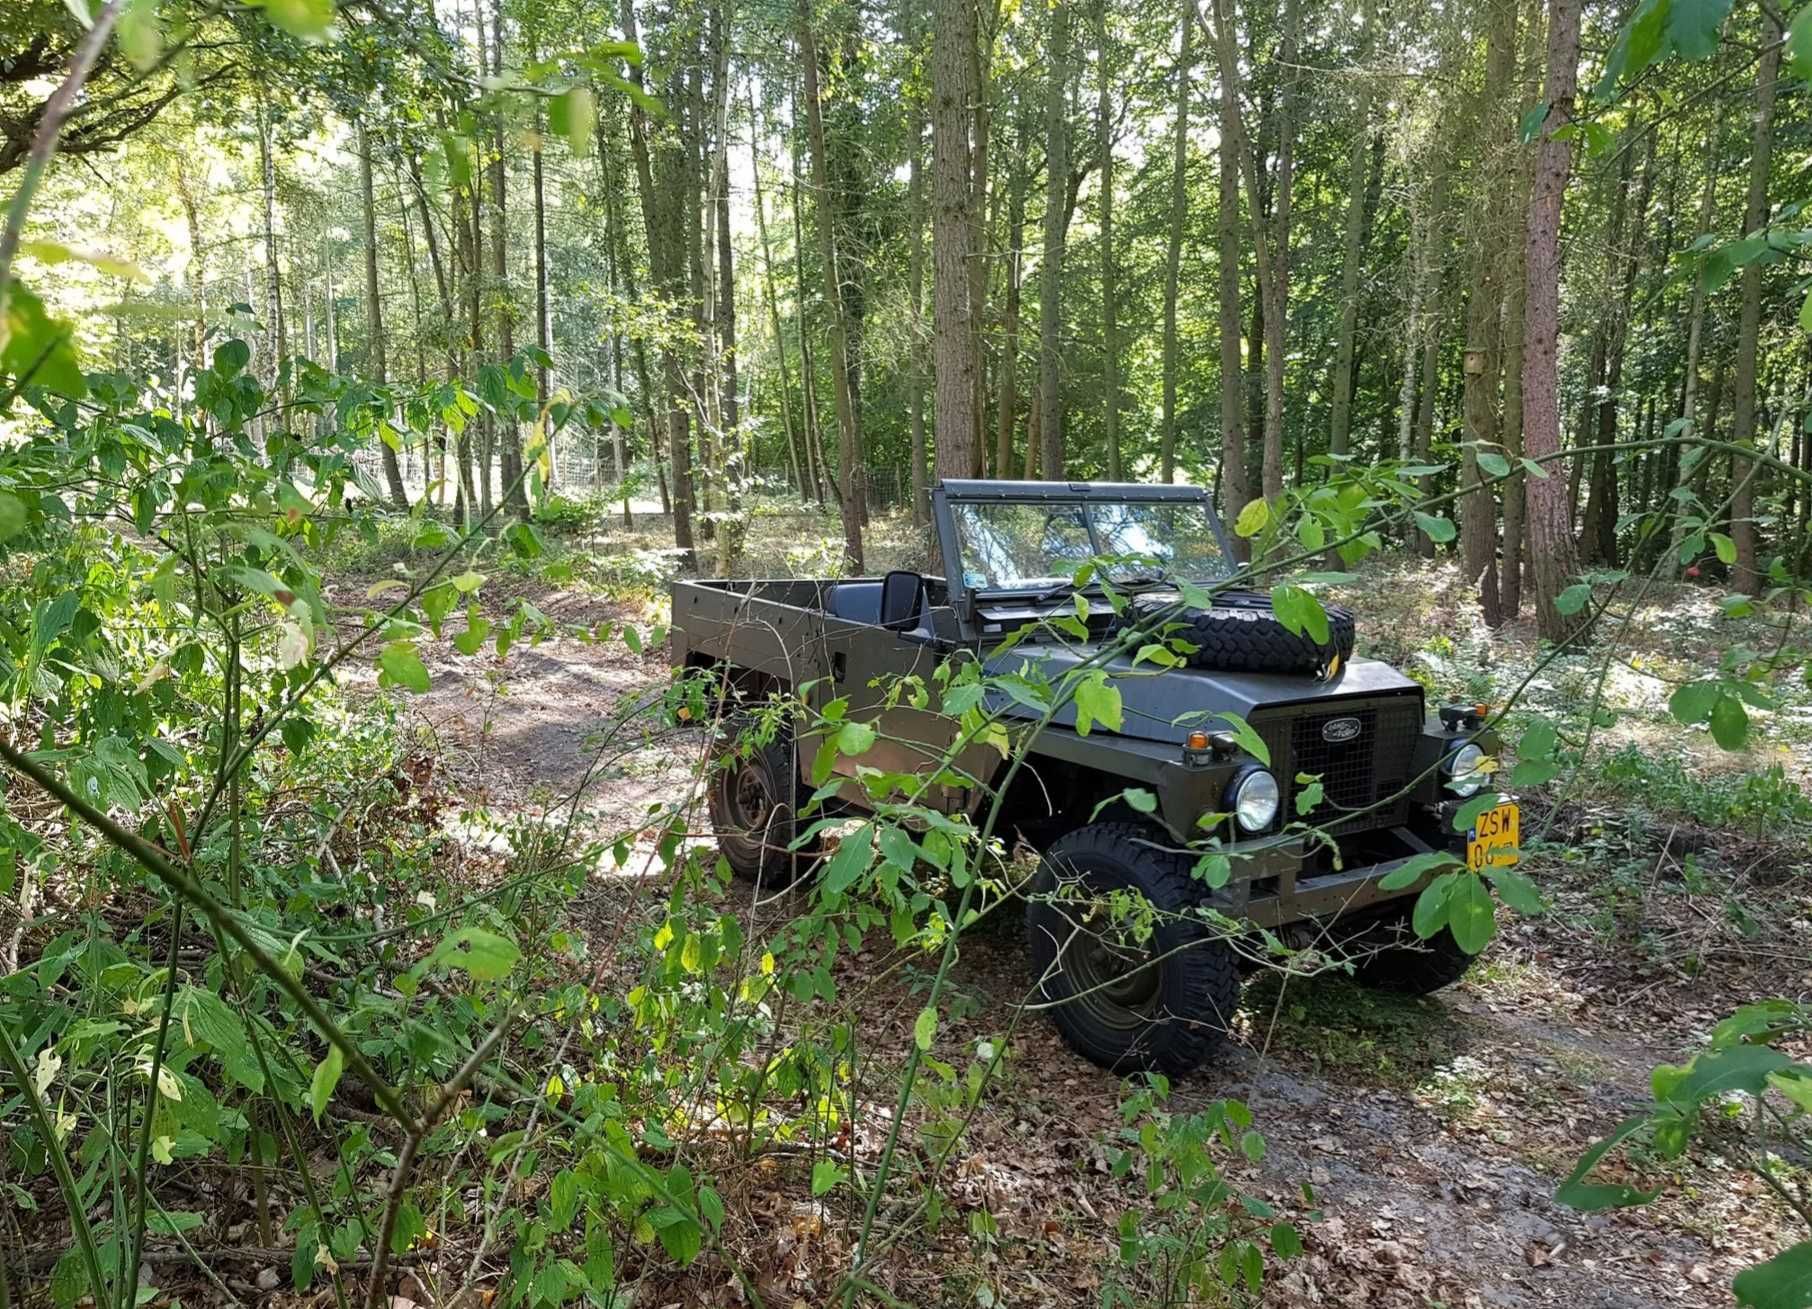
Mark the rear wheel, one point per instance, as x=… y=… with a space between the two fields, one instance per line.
x=1389 y=956
x=1149 y=987
x=754 y=802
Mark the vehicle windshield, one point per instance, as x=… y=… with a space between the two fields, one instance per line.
x=1030 y=545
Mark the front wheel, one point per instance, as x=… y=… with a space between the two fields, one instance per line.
x=753 y=799
x=1133 y=978
x=1389 y=956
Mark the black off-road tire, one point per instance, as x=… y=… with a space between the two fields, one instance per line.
x=754 y=802
x=1241 y=635
x=1170 y=1015
x=1392 y=958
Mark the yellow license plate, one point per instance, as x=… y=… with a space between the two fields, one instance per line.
x=1494 y=839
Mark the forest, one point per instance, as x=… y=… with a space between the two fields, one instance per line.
x=374 y=374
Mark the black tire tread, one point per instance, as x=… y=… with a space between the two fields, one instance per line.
x=777 y=867
x=1212 y=975
x=1262 y=644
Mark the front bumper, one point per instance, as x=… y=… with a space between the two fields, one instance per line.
x=1283 y=882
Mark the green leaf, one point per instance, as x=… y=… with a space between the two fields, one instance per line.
x=1249 y=741
x=855 y=738
x=1300 y=612
x=1725 y=547
x=1493 y=464
x=925 y=1028
x=1414 y=869
x=572 y=115
x=1471 y=915
x=1805 y=308
x=680 y=1233
x=1430 y=913
x=1140 y=799
x=305 y=19
x=1799 y=59
x=1729 y=722
x=36 y=346
x=12 y=516
x=327 y=1076
x=1538 y=740
x=484 y=956
x=1577 y=1193
x=825 y=1176
x=1438 y=530
x=1469 y=812
x=1693 y=702
x=1716 y=1073
x=1252 y=519
x=1573 y=599
x=1097 y=701
x=1693 y=26
x=478 y=631
x=1517 y=890
x=850 y=861
x=1784 y=1282
x=401 y=666
x=1286 y=1243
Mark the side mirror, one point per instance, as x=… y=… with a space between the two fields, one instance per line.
x=902 y=599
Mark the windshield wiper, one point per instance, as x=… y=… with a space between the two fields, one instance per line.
x=1061 y=591
x=1144 y=581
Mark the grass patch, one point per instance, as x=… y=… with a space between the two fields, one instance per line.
x=1346 y=1032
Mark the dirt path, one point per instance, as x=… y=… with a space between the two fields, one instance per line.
x=1432 y=1133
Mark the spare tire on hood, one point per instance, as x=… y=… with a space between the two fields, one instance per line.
x=1240 y=634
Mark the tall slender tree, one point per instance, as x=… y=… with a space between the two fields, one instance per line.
x=953 y=36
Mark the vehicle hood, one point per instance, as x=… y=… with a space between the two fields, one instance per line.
x=1153 y=699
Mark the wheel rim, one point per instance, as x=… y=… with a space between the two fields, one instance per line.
x=1117 y=983
x=747 y=796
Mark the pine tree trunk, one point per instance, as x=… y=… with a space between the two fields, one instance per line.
x=833 y=301
x=273 y=281
x=374 y=310
x=1056 y=224
x=1747 y=575
x=1515 y=548
x=1173 y=248
x=543 y=326
x=953 y=39
x=1550 y=516
x=509 y=432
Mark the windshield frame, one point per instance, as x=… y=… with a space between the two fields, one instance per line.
x=949 y=494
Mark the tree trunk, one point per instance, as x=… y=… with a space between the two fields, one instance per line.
x=273 y=281
x=1173 y=248
x=1050 y=293
x=1110 y=293
x=663 y=212
x=833 y=301
x=543 y=327
x=1006 y=417
x=1550 y=516
x=1358 y=178
x=952 y=81
x=1510 y=583
x=1482 y=369
x=1233 y=447
x=981 y=136
x=773 y=303
x=915 y=293
x=1680 y=469
x=509 y=432
x=374 y=312
x=1275 y=294
x=1747 y=575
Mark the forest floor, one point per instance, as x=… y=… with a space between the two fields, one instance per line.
x=1432 y=1133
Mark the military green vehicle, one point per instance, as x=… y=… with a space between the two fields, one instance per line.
x=1342 y=778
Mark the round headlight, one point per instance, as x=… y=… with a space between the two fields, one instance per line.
x=1464 y=776
x=1255 y=800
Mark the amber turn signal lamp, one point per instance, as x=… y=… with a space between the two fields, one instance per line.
x=1198 y=740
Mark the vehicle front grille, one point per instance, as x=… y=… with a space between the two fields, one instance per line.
x=1357 y=773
